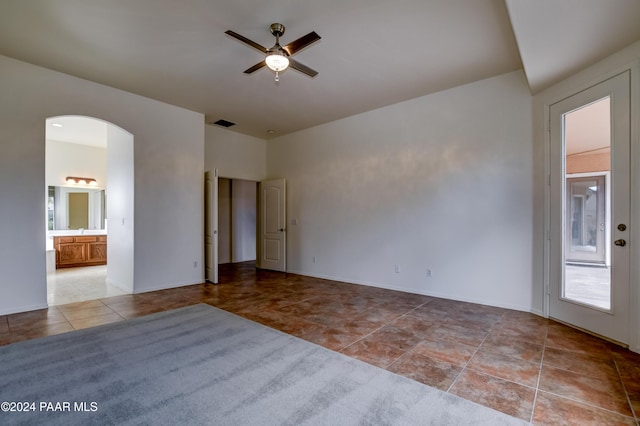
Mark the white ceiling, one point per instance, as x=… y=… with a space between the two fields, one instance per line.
x=372 y=53
x=78 y=130
x=557 y=38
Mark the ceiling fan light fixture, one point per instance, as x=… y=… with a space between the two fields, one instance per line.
x=276 y=61
x=277 y=58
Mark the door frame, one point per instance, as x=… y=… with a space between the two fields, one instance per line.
x=592 y=76
x=230 y=224
x=612 y=323
x=211 y=226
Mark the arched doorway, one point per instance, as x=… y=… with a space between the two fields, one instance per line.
x=90 y=193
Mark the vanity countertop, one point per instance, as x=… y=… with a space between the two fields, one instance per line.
x=76 y=232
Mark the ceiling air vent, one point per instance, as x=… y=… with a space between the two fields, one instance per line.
x=223 y=123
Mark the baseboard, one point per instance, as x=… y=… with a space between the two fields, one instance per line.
x=115 y=284
x=538 y=312
x=9 y=311
x=168 y=286
x=413 y=291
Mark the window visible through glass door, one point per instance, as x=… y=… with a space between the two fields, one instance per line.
x=587 y=164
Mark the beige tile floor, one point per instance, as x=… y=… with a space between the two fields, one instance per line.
x=70 y=285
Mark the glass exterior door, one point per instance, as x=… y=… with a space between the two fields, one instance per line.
x=589 y=266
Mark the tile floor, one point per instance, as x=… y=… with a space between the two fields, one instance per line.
x=69 y=285
x=515 y=362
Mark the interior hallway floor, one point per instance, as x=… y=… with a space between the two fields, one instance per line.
x=515 y=362
x=69 y=285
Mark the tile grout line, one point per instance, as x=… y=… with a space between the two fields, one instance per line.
x=588 y=404
x=113 y=310
x=626 y=393
x=89 y=317
x=412 y=347
x=384 y=325
x=471 y=357
x=577 y=400
x=535 y=396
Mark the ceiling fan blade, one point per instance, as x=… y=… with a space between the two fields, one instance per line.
x=247 y=41
x=302 y=68
x=256 y=67
x=301 y=43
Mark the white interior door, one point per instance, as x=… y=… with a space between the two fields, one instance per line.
x=592 y=297
x=272 y=253
x=211 y=226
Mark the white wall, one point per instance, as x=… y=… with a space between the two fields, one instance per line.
x=443 y=182
x=168 y=151
x=235 y=155
x=71 y=159
x=120 y=209
x=239 y=158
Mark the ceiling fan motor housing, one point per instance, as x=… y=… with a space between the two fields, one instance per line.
x=277 y=29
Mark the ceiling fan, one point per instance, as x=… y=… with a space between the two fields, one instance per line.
x=278 y=58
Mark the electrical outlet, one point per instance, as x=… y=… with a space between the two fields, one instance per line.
x=195 y=263
x=397 y=269
x=313 y=259
x=429 y=274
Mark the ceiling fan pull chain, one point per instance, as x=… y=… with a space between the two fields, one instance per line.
x=277 y=77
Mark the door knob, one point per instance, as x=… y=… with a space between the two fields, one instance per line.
x=620 y=243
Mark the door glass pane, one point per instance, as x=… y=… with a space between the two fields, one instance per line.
x=587 y=265
x=586 y=199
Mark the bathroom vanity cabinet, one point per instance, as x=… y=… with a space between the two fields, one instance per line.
x=80 y=250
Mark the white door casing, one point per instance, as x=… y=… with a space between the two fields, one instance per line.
x=272 y=233
x=211 y=226
x=613 y=323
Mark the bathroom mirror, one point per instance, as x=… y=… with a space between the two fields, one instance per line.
x=75 y=208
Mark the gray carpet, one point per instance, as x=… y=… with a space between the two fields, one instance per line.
x=201 y=365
